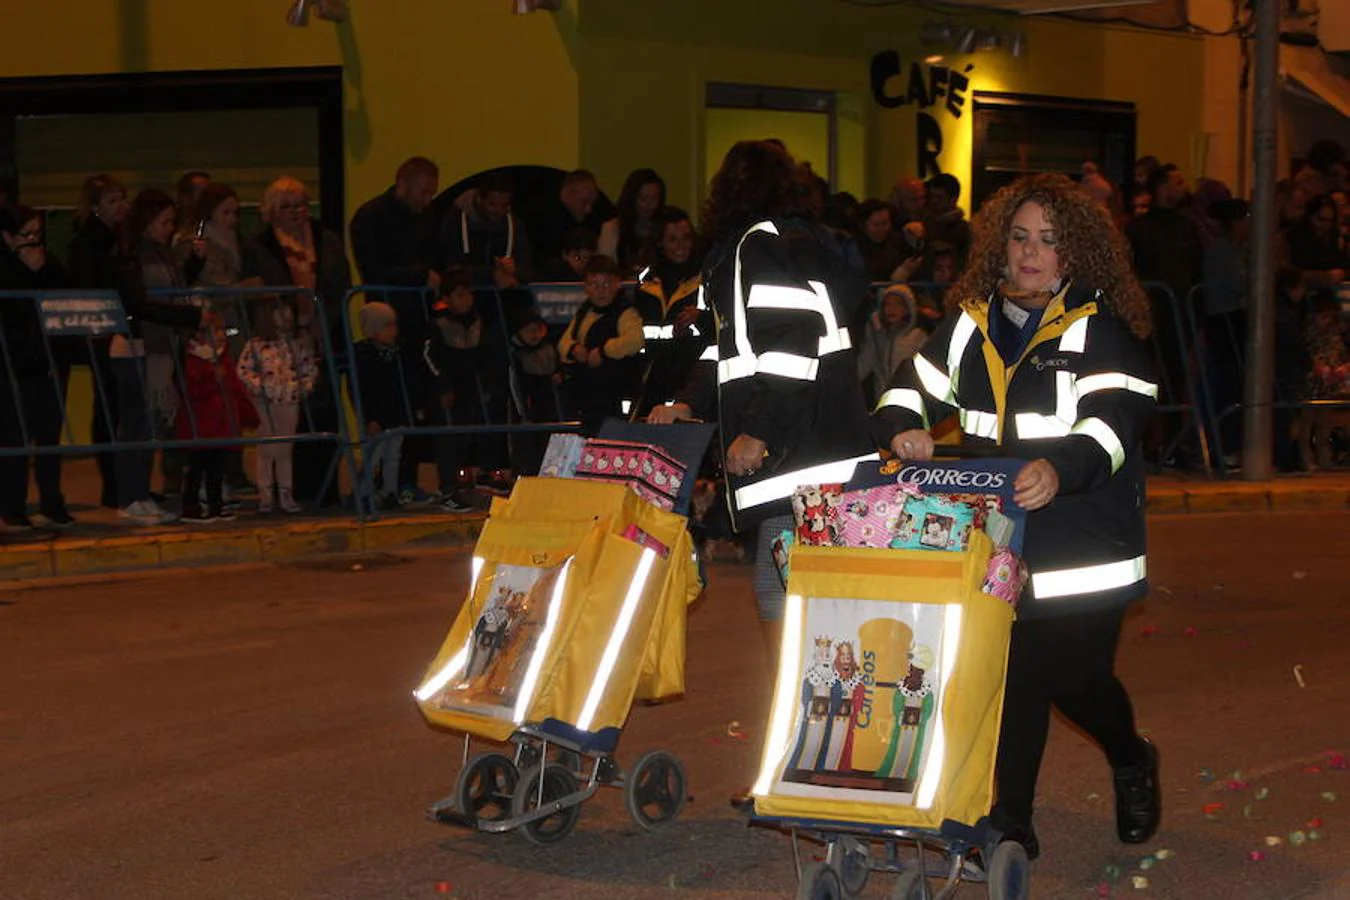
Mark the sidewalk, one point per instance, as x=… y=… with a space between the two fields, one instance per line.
x=102 y=543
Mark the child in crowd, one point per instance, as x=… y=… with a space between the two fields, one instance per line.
x=1293 y=365
x=450 y=356
x=217 y=407
x=279 y=370
x=535 y=369
x=600 y=348
x=578 y=246
x=1330 y=378
x=894 y=334
x=386 y=401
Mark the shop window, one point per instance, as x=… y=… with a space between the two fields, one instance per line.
x=1018 y=134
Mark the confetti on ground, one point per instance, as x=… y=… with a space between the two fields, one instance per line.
x=1205 y=775
x=714 y=740
x=734 y=730
x=1212 y=810
x=1218 y=587
x=1148 y=631
x=1190 y=631
x=1299 y=575
x=1312 y=770
x=1256 y=855
x=1297 y=838
x=1235 y=784
x=442 y=887
x=1247 y=811
x=1140 y=883
x=1112 y=873
x=1337 y=761
x=1273 y=840
x=1315 y=822
x=1315 y=835
x=1329 y=796
x=1103 y=890
x=1298 y=676
x=1262 y=793
x=1147 y=863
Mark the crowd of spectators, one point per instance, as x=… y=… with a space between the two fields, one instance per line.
x=449 y=334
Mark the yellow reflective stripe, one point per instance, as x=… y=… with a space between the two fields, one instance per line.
x=934 y=382
x=1088 y=579
x=1034 y=426
x=709 y=354
x=1074 y=338
x=1106 y=381
x=780 y=487
x=616 y=639
x=1107 y=439
x=905 y=398
x=980 y=423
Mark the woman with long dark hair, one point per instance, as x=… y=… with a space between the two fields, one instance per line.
x=780 y=375
x=145 y=259
x=1313 y=245
x=627 y=239
x=1043 y=352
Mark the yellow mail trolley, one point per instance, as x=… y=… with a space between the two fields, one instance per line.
x=885 y=721
x=576 y=607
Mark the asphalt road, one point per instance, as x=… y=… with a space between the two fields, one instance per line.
x=248 y=733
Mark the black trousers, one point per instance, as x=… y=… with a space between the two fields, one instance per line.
x=103 y=426
x=42 y=418
x=1067 y=662
x=204 y=467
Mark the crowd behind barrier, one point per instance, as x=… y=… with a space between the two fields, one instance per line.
x=186 y=400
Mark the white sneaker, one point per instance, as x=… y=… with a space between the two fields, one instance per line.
x=287 y=502
x=159 y=515
x=138 y=512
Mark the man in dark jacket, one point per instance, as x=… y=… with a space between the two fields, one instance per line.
x=574 y=206
x=394 y=239
x=481 y=233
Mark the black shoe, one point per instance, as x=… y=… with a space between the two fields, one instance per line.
x=1138 y=798
x=18 y=522
x=743 y=801
x=1026 y=837
x=221 y=513
x=197 y=514
x=59 y=518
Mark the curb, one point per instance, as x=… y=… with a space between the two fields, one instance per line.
x=1247 y=498
x=178 y=549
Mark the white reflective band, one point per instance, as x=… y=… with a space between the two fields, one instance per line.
x=785 y=695
x=780 y=487
x=616 y=639
x=905 y=398
x=456 y=663
x=962 y=334
x=1109 y=441
x=980 y=423
x=787 y=365
x=694 y=332
x=1088 y=579
x=1074 y=338
x=834 y=342
x=734 y=369
x=740 y=329
x=625 y=407
x=701 y=304
x=464 y=232
x=658 y=332
x=1066 y=398
x=773 y=296
x=1034 y=426
x=642 y=276
x=934 y=382
x=926 y=792
x=709 y=354
x=527 y=684
x=1106 y=381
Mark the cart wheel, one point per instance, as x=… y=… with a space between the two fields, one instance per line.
x=909 y=886
x=820 y=882
x=558 y=783
x=1009 y=872
x=853 y=866
x=484 y=787
x=656 y=789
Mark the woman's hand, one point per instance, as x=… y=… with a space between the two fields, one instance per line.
x=669 y=415
x=595 y=358
x=580 y=353
x=1036 y=485
x=915 y=445
x=745 y=455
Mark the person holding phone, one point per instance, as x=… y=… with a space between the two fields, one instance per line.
x=1043 y=353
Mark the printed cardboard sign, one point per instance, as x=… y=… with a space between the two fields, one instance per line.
x=515 y=607
x=871 y=685
x=90 y=314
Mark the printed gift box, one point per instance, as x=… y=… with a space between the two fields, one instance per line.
x=653 y=474
x=562 y=455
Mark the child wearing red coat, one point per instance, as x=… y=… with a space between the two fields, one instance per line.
x=218 y=408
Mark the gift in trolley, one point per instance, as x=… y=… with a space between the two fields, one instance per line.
x=576 y=608
x=884 y=727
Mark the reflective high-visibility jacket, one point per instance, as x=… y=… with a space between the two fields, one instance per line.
x=1079 y=396
x=783 y=367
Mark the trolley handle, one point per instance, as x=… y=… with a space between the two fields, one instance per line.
x=969 y=451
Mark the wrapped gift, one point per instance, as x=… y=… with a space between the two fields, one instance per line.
x=781 y=549
x=813 y=507
x=643 y=539
x=872 y=517
x=561 y=457
x=999 y=528
x=1006 y=576
x=651 y=472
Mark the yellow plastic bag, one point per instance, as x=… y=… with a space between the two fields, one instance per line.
x=569 y=615
x=889 y=691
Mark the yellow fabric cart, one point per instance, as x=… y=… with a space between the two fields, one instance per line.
x=576 y=607
x=885 y=721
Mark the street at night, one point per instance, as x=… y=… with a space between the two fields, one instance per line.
x=249 y=732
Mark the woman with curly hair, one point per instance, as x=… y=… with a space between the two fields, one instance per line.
x=1044 y=354
x=780 y=377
